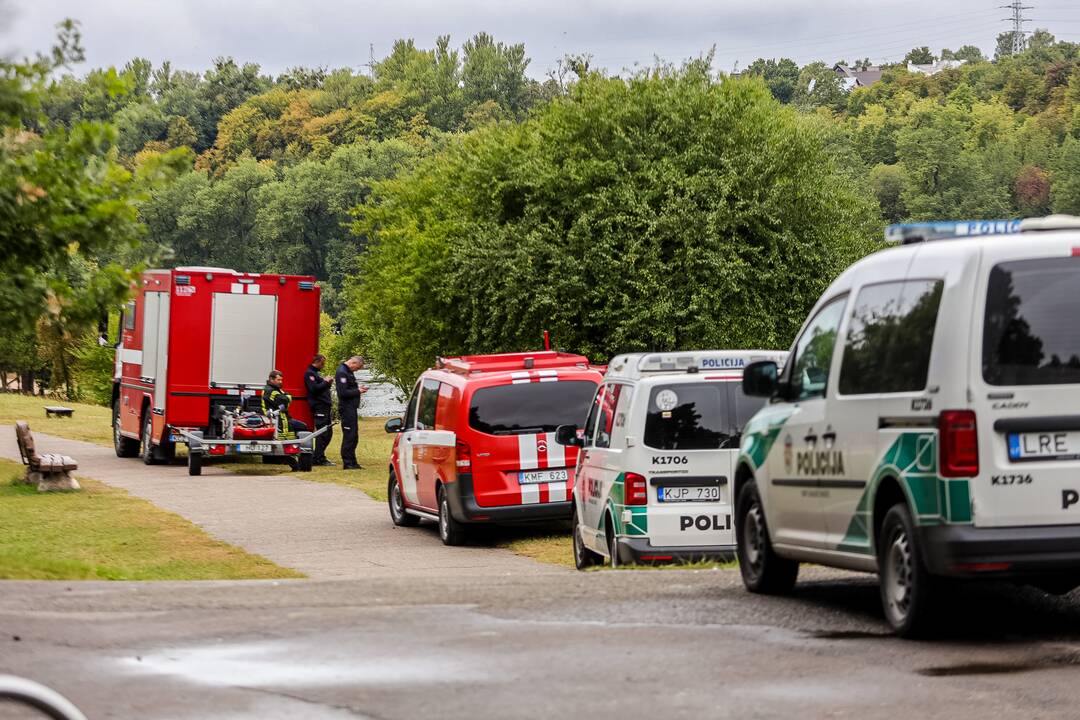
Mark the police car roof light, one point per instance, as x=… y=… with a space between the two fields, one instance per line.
x=909 y=233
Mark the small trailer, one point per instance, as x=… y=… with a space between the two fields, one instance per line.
x=196 y=347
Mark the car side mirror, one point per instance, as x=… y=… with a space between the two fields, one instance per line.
x=761 y=379
x=394 y=425
x=568 y=435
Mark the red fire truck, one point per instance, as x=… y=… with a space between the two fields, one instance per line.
x=196 y=347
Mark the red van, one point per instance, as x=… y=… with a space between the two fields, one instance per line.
x=477 y=443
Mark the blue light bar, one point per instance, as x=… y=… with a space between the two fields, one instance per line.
x=907 y=233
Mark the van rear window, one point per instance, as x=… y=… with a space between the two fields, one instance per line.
x=1031 y=335
x=698 y=416
x=532 y=407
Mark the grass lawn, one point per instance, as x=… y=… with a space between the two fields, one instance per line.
x=91 y=423
x=102 y=533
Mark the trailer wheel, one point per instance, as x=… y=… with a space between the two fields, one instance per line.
x=125 y=447
x=305 y=462
x=147 y=449
x=194 y=463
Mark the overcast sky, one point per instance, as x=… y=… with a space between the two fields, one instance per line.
x=279 y=34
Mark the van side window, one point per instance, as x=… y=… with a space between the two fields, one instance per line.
x=410 y=409
x=809 y=373
x=594 y=415
x=605 y=422
x=429 y=401
x=889 y=337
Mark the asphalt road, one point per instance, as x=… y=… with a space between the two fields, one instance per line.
x=608 y=644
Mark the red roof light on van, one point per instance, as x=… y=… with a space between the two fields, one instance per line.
x=958 y=439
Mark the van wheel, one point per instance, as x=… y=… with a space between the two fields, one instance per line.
x=763 y=571
x=194 y=463
x=612 y=543
x=125 y=447
x=584 y=558
x=147 y=447
x=907 y=589
x=397 y=506
x=450 y=530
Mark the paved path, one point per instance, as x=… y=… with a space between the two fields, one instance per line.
x=323 y=530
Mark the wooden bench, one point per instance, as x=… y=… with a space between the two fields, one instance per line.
x=50 y=471
x=58 y=410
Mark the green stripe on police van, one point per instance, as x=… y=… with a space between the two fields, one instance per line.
x=639 y=522
x=761 y=433
x=912 y=459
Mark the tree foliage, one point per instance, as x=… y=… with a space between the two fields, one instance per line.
x=653 y=213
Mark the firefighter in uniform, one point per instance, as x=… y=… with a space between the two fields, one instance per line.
x=274 y=398
x=320 y=401
x=349 y=393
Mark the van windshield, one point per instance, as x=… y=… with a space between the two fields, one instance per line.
x=532 y=407
x=698 y=416
x=1031 y=335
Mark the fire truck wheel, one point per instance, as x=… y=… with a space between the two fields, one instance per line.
x=305 y=462
x=397 y=505
x=147 y=449
x=125 y=447
x=194 y=463
x=450 y=530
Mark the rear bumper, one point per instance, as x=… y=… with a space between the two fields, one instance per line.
x=968 y=551
x=464 y=508
x=640 y=550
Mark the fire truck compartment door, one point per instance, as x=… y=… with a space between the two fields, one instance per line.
x=155 y=343
x=243 y=339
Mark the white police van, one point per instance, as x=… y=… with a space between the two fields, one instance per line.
x=927 y=423
x=658 y=450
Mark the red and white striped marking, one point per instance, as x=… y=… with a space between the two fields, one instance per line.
x=540 y=452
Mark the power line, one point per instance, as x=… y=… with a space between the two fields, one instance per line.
x=1017 y=19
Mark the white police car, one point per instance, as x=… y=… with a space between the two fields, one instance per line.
x=658 y=451
x=927 y=423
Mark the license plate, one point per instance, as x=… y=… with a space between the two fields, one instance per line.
x=693 y=493
x=531 y=477
x=255 y=448
x=1044 y=446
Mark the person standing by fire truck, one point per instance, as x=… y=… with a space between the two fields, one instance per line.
x=320 y=401
x=349 y=392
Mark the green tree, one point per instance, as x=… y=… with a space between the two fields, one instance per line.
x=780 y=76
x=919 y=56
x=1065 y=185
x=662 y=211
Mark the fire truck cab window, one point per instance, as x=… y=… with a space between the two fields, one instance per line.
x=129 y=316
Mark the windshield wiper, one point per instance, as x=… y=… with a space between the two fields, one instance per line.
x=519 y=431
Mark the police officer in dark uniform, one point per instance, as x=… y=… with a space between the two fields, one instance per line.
x=349 y=393
x=320 y=401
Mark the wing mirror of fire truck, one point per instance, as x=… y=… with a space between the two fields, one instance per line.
x=394 y=425
x=569 y=435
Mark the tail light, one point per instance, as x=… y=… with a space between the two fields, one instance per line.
x=635 y=490
x=217 y=449
x=464 y=456
x=291 y=449
x=959 y=449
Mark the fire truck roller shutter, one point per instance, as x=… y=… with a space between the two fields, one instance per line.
x=242 y=344
x=155 y=339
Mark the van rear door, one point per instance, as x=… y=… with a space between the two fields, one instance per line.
x=515 y=458
x=1026 y=382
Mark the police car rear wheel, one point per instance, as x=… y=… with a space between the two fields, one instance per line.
x=397 y=505
x=612 y=544
x=584 y=558
x=763 y=571
x=906 y=586
x=450 y=530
